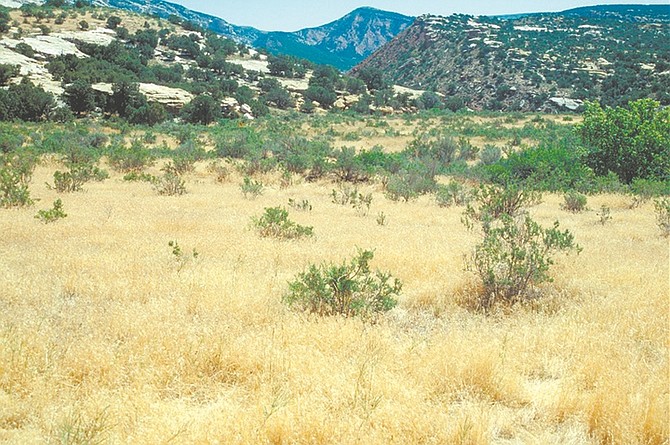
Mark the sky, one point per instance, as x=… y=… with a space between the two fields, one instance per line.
x=292 y=15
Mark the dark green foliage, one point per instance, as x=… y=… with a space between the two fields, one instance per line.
x=326 y=97
x=632 y=142
x=373 y=78
x=514 y=257
x=80 y=96
x=148 y=114
x=551 y=166
x=203 y=109
x=287 y=66
x=113 y=22
x=348 y=289
x=25 y=101
x=53 y=214
x=125 y=99
x=5 y=20
x=274 y=223
x=7 y=72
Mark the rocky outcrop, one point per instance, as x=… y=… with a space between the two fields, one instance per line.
x=172 y=98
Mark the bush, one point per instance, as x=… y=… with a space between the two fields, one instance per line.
x=77 y=175
x=251 y=189
x=348 y=289
x=662 y=209
x=133 y=159
x=452 y=194
x=274 y=223
x=409 y=185
x=574 y=202
x=171 y=183
x=53 y=214
x=15 y=174
x=514 y=257
x=633 y=143
x=493 y=202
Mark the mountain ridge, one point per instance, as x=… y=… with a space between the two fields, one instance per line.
x=615 y=55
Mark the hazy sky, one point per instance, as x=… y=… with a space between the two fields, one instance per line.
x=291 y=15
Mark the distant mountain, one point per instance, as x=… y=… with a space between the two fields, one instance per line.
x=610 y=53
x=342 y=43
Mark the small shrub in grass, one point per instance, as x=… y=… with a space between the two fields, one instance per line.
x=344 y=194
x=492 y=202
x=171 y=183
x=382 y=219
x=251 y=189
x=303 y=206
x=662 y=209
x=53 y=214
x=604 y=214
x=77 y=175
x=574 y=202
x=409 y=185
x=15 y=174
x=220 y=172
x=351 y=289
x=490 y=155
x=452 y=194
x=133 y=159
x=274 y=223
x=181 y=258
x=514 y=257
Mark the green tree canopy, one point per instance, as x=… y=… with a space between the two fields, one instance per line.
x=632 y=142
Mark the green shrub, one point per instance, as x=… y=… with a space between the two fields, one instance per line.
x=632 y=142
x=180 y=258
x=662 y=209
x=347 y=289
x=16 y=171
x=251 y=189
x=514 y=257
x=133 y=159
x=492 y=202
x=408 y=185
x=77 y=175
x=274 y=223
x=452 y=194
x=574 y=202
x=53 y=214
x=171 y=183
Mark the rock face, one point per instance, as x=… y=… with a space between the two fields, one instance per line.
x=570 y=104
x=32 y=69
x=172 y=98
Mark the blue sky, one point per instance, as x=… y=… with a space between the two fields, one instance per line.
x=291 y=15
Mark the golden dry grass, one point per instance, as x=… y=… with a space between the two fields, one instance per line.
x=106 y=338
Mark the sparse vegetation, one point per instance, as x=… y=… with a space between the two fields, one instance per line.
x=274 y=223
x=53 y=214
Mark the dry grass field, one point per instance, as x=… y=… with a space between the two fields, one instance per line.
x=107 y=337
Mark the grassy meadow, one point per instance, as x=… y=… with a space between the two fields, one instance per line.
x=108 y=336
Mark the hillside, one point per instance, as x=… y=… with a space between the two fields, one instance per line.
x=614 y=54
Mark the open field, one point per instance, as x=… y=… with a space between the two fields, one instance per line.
x=107 y=337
